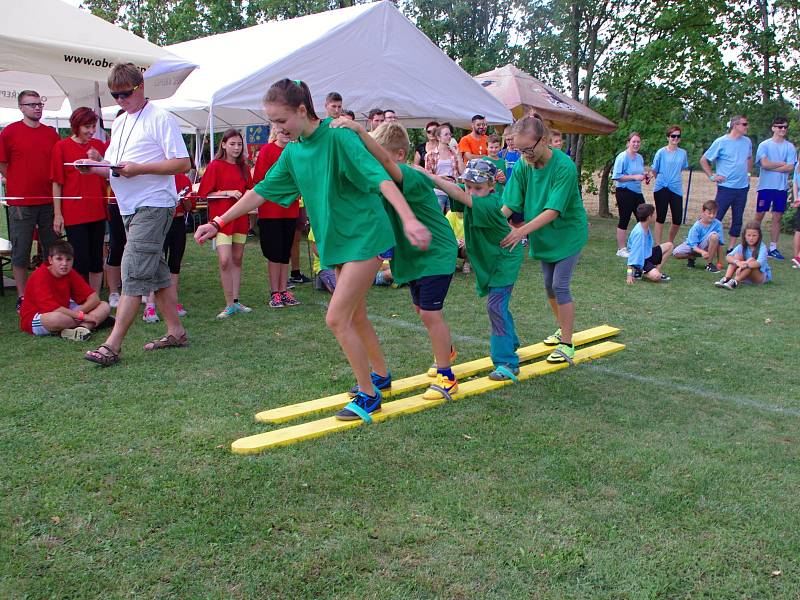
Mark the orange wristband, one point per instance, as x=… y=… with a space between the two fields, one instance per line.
x=218 y=223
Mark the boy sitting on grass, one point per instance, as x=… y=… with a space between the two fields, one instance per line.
x=58 y=300
x=705 y=239
x=644 y=259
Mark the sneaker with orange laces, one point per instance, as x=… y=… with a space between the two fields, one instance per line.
x=288 y=299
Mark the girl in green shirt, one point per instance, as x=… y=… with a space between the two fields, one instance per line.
x=341 y=184
x=545 y=187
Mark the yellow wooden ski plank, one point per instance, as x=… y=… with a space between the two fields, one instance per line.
x=408 y=405
x=415 y=382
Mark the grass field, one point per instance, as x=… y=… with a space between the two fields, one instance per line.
x=669 y=470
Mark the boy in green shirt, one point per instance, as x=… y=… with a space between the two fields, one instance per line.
x=496 y=268
x=545 y=187
x=493 y=146
x=429 y=272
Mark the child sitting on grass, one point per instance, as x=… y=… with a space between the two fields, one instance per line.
x=496 y=268
x=644 y=259
x=747 y=262
x=59 y=301
x=705 y=239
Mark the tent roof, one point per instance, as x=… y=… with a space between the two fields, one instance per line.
x=520 y=93
x=58 y=49
x=370 y=53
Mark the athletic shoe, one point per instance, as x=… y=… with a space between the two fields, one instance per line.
x=712 y=268
x=434 y=368
x=623 y=253
x=558 y=355
x=300 y=278
x=242 y=308
x=796 y=262
x=450 y=387
x=149 y=315
x=776 y=254
x=665 y=278
x=369 y=404
x=731 y=284
x=379 y=381
x=108 y=323
x=466 y=268
x=637 y=273
x=289 y=285
x=76 y=334
x=288 y=299
x=690 y=263
x=181 y=310
x=276 y=300
x=228 y=311
x=19 y=303
x=721 y=282
x=113 y=300
x=554 y=339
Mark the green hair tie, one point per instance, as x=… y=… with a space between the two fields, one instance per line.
x=298 y=82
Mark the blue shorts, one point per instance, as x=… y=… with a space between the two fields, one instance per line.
x=387 y=254
x=774 y=198
x=428 y=293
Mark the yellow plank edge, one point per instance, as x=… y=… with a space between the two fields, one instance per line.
x=415 y=382
x=411 y=404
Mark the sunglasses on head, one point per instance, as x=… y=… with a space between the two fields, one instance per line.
x=125 y=94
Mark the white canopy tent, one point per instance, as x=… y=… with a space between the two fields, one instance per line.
x=370 y=53
x=67 y=52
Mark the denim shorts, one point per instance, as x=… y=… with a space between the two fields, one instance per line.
x=144 y=268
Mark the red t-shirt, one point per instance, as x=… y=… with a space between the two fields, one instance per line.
x=27 y=152
x=45 y=293
x=267 y=157
x=91 y=188
x=468 y=143
x=182 y=181
x=221 y=176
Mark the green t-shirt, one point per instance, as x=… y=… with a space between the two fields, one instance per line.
x=410 y=263
x=340 y=184
x=554 y=186
x=500 y=163
x=484 y=227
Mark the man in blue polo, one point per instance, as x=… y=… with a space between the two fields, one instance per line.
x=732 y=155
x=776 y=157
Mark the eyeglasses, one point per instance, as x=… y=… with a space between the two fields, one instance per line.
x=781 y=126
x=675 y=136
x=33 y=104
x=529 y=150
x=126 y=94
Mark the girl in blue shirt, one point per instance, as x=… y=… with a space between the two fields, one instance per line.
x=629 y=174
x=747 y=262
x=668 y=164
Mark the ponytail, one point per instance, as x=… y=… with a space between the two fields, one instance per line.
x=292 y=93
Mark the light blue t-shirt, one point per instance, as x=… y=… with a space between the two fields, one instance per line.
x=762 y=258
x=731 y=156
x=669 y=165
x=776 y=152
x=699 y=232
x=625 y=165
x=640 y=245
x=510 y=156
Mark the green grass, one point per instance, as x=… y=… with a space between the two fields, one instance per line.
x=669 y=470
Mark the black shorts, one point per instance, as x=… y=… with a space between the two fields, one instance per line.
x=653 y=260
x=627 y=201
x=667 y=199
x=175 y=244
x=87 y=241
x=276 y=236
x=428 y=293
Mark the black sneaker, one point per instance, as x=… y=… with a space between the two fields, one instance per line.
x=637 y=273
x=712 y=268
x=665 y=278
x=108 y=323
x=690 y=263
x=19 y=303
x=299 y=278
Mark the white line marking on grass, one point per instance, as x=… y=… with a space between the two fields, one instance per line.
x=697 y=391
x=402 y=324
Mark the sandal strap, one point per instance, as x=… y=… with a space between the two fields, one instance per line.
x=442 y=391
x=507 y=372
x=560 y=352
x=355 y=408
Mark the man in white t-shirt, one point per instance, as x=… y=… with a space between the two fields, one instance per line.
x=146 y=151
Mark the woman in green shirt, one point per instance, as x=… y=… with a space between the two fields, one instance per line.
x=341 y=184
x=545 y=187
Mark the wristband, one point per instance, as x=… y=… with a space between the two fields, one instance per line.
x=81 y=315
x=711 y=177
x=218 y=223
x=630 y=270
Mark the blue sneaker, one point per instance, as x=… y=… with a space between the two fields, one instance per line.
x=775 y=253
x=364 y=404
x=380 y=383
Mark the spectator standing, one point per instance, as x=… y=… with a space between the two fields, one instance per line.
x=475 y=143
x=429 y=145
x=629 y=174
x=668 y=165
x=375 y=117
x=333 y=105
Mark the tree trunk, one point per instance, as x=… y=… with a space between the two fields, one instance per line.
x=602 y=208
x=766 y=50
x=580 y=140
